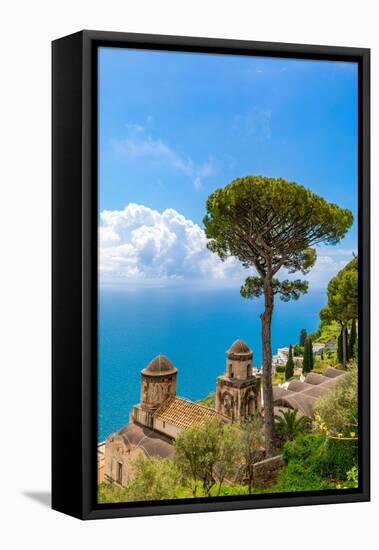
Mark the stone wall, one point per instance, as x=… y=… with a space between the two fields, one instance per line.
x=265 y=473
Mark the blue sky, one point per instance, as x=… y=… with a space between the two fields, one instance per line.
x=175 y=126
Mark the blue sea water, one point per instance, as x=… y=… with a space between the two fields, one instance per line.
x=193 y=328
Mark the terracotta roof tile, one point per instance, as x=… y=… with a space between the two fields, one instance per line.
x=184 y=414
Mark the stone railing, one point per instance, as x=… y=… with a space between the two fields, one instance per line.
x=265 y=472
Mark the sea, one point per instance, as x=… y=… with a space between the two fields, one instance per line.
x=193 y=328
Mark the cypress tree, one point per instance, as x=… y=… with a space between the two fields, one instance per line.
x=310 y=351
x=306 y=365
x=289 y=365
x=303 y=336
x=352 y=339
x=340 y=348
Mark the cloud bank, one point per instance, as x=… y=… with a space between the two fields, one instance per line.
x=141 y=246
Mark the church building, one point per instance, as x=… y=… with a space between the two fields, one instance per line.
x=161 y=415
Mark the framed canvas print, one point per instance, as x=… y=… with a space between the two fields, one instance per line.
x=210 y=275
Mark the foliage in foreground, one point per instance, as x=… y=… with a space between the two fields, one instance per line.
x=289 y=424
x=111 y=493
x=337 y=410
x=313 y=462
x=106 y=494
x=154 y=479
x=212 y=453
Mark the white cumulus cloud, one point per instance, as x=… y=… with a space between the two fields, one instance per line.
x=141 y=245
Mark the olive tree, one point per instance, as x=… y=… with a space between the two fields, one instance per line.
x=197 y=452
x=269 y=224
x=154 y=479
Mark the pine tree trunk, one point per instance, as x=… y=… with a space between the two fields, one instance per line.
x=267 y=368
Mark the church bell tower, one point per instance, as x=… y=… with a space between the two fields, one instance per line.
x=158 y=383
x=238 y=391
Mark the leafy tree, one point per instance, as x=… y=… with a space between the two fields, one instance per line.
x=153 y=479
x=269 y=224
x=343 y=301
x=303 y=335
x=251 y=440
x=352 y=339
x=289 y=365
x=197 y=452
x=289 y=424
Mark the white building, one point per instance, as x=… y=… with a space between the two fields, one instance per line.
x=281 y=356
x=317 y=347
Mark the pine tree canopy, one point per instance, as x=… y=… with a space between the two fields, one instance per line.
x=270 y=223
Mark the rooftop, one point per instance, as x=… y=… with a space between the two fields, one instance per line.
x=239 y=347
x=184 y=414
x=302 y=395
x=160 y=365
x=151 y=442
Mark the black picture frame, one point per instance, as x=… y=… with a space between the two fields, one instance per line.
x=74 y=272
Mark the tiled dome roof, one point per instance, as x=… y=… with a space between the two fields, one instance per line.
x=160 y=365
x=238 y=347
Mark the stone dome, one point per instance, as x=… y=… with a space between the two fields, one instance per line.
x=159 y=366
x=239 y=348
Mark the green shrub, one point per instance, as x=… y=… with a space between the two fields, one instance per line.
x=111 y=493
x=296 y=477
x=315 y=462
x=339 y=457
x=302 y=458
x=352 y=478
x=305 y=448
